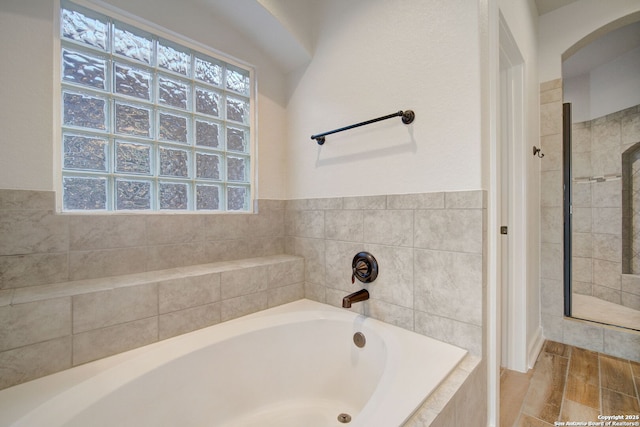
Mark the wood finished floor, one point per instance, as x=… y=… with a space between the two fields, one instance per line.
x=569 y=384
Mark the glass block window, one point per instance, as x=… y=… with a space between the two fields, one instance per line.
x=149 y=123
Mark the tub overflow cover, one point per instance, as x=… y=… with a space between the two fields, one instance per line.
x=344 y=418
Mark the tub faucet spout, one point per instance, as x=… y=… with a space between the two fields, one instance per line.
x=361 y=295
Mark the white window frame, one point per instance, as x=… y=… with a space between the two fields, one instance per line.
x=172 y=37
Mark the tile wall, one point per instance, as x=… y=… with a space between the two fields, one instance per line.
x=597 y=147
x=38 y=246
x=592 y=336
x=429 y=248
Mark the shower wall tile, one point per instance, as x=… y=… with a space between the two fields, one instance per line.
x=630 y=300
x=446 y=226
x=395 y=282
x=187 y=320
x=607 y=294
x=243 y=305
x=26 y=199
x=607 y=247
x=607 y=194
x=88 y=232
x=185 y=292
x=24 y=324
x=347 y=225
x=618 y=131
x=630 y=128
x=98 y=343
x=581 y=165
x=175 y=255
x=117 y=306
x=552 y=297
x=631 y=284
x=550 y=118
x=390 y=313
x=551 y=261
x=582 y=244
x=581 y=138
x=416 y=201
x=582 y=220
x=551 y=195
x=17 y=271
x=389 y=227
x=551 y=224
x=32 y=231
x=584 y=335
x=338 y=258
x=286 y=272
x=172 y=229
x=309 y=223
x=107 y=262
x=581 y=195
x=363 y=202
x=285 y=294
x=445 y=278
x=607 y=273
x=34 y=361
x=243 y=282
x=582 y=269
x=607 y=220
x=449 y=230
x=454 y=332
x=552 y=148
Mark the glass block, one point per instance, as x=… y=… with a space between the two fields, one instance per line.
x=207 y=102
x=172 y=128
x=237 y=169
x=174 y=162
x=173 y=60
x=132 y=195
x=208 y=71
x=173 y=196
x=237 y=110
x=207 y=134
x=81 y=28
x=237 y=139
x=207 y=166
x=85 y=153
x=133 y=120
x=172 y=92
x=133 y=158
x=132 y=46
x=207 y=197
x=84 y=193
x=83 y=69
x=237 y=198
x=84 y=111
x=132 y=82
x=238 y=80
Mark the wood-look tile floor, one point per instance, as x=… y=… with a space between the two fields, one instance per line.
x=569 y=384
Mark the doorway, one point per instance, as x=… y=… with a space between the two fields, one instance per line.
x=511 y=210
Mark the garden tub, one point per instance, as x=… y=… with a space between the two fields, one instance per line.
x=299 y=364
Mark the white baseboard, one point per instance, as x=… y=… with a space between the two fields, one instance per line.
x=534 y=348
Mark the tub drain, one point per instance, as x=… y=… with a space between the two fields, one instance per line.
x=344 y=418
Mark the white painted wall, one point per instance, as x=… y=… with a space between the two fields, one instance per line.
x=28 y=91
x=373 y=58
x=611 y=87
x=563 y=28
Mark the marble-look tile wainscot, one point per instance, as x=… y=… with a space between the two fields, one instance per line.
x=48 y=328
x=429 y=247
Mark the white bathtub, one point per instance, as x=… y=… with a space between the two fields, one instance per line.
x=290 y=366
